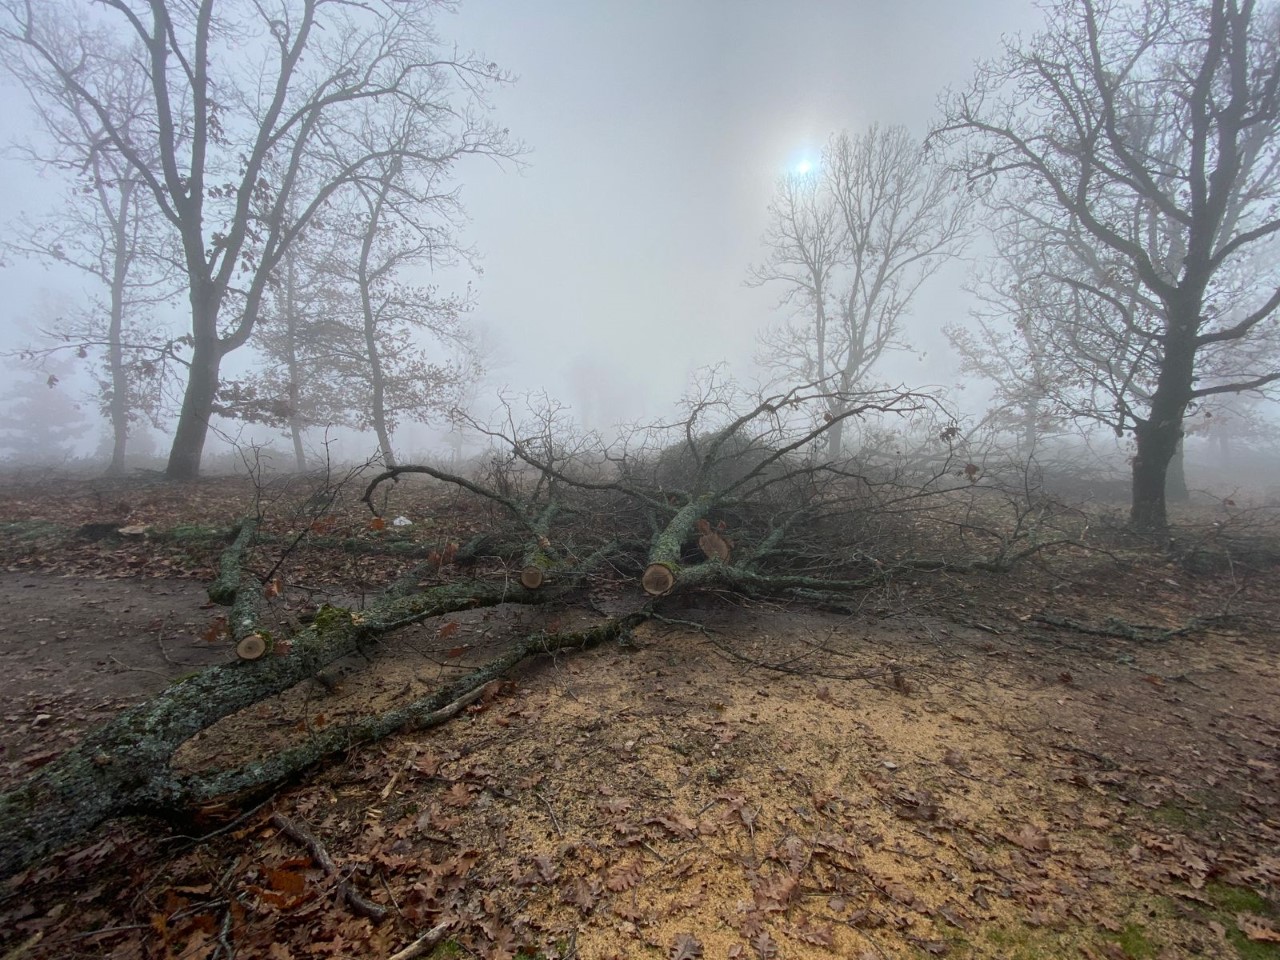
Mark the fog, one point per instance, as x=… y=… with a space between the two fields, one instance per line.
x=615 y=264
x=611 y=255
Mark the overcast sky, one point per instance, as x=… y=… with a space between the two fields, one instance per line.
x=614 y=263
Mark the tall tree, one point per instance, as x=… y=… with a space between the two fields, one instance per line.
x=241 y=88
x=1005 y=346
x=852 y=243
x=105 y=228
x=349 y=312
x=1140 y=139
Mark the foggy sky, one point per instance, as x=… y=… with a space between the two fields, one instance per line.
x=658 y=131
x=614 y=263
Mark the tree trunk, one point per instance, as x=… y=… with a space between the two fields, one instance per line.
x=835 y=436
x=295 y=371
x=1176 y=483
x=1159 y=436
x=197 y=409
x=1030 y=419
x=123 y=767
x=377 y=379
x=1150 y=469
x=119 y=406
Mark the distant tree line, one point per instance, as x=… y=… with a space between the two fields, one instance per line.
x=281 y=167
x=1127 y=166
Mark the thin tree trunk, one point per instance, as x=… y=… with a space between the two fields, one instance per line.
x=377 y=380
x=1176 y=483
x=1030 y=417
x=295 y=372
x=119 y=406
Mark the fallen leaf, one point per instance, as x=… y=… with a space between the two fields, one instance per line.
x=457 y=796
x=1258 y=929
x=1029 y=838
x=765 y=946
x=624 y=876
x=685 y=947
x=286 y=881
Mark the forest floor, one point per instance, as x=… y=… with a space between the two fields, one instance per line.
x=1080 y=758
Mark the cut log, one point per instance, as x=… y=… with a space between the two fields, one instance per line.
x=532 y=577
x=252 y=647
x=658 y=579
x=124 y=765
x=223 y=590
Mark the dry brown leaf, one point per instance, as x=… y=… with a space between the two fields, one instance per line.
x=1029 y=838
x=677 y=824
x=548 y=869
x=624 y=876
x=819 y=936
x=457 y=796
x=685 y=947
x=628 y=911
x=792 y=852
x=775 y=892
x=1258 y=929
x=765 y=946
x=583 y=894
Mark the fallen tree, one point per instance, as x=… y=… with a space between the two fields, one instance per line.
x=760 y=512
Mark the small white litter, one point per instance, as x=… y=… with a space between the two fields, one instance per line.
x=402 y=522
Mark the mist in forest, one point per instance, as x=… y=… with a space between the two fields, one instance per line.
x=611 y=242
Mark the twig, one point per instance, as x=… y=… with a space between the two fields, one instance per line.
x=551 y=810
x=231 y=825
x=391 y=784
x=21 y=949
x=359 y=905
x=424 y=944
x=160 y=643
x=158 y=673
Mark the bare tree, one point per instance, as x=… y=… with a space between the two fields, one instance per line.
x=106 y=228
x=242 y=89
x=1141 y=142
x=351 y=338
x=404 y=217
x=852 y=244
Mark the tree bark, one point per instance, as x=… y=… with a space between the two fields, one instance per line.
x=1175 y=488
x=201 y=392
x=295 y=370
x=119 y=406
x=1159 y=436
x=124 y=768
x=377 y=380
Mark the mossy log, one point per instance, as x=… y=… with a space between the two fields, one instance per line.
x=539 y=558
x=664 y=552
x=123 y=767
x=230 y=568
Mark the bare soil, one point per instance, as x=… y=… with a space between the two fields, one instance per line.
x=1080 y=759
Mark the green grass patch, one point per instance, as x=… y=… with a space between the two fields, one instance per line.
x=1133 y=940
x=446 y=950
x=1030 y=943
x=1229 y=901
x=28 y=530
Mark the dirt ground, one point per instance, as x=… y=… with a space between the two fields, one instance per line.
x=971 y=766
